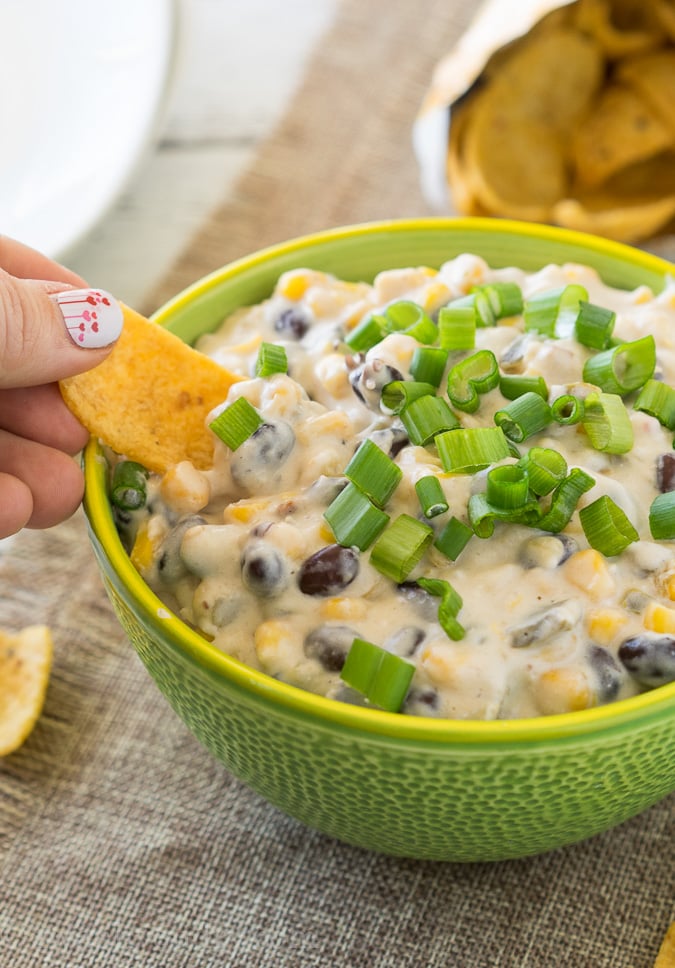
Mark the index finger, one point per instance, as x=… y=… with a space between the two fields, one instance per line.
x=26 y=263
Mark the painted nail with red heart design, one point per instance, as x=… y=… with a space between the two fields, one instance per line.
x=93 y=317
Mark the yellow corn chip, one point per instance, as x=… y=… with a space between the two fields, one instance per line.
x=666 y=955
x=653 y=77
x=621 y=27
x=25 y=664
x=150 y=398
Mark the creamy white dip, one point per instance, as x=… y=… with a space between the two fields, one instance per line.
x=544 y=615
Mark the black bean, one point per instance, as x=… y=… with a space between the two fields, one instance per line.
x=292 y=322
x=665 y=472
x=329 y=645
x=608 y=675
x=170 y=564
x=262 y=454
x=325 y=489
x=328 y=571
x=264 y=570
x=547 y=550
x=545 y=623
x=405 y=641
x=649 y=658
x=424 y=604
x=422 y=700
x=368 y=379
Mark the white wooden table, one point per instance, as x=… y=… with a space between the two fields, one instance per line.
x=236 y=64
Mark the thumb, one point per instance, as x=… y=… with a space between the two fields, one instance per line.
x=49 y=331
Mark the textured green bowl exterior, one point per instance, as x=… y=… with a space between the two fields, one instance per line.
x=443 y=790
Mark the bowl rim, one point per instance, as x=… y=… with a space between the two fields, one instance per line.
x=189 y=643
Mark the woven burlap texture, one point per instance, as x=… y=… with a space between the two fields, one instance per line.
x=122 y=842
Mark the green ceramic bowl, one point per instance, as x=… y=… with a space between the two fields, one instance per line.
x=423 y=788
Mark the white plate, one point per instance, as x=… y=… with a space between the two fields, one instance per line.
x=82 y=83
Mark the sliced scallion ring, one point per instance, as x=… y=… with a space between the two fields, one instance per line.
x=449 y=607
x=553 y=313
x=564 y=500
x=401 y=547
x=567 y=409
x=426 y=417
x=658 y=400
x=508 y=486
x=382 y=677
x=607 y=527
x=368 y=333
x=128 y=489
x=428 y=364
x=431 y=497
x=662 y=517
x=236 y=423
x=408 y=317
x=594 y=325
x=271 y=359
x=457 y=326
x=477 y=374
x=607 y=423
x=483 y=514
x=354 y=519
x=513 y=385
x=523 y=417
x=399 y=393
x=471 y=449
x=373 y=472
x=545 y=467
x=505 y=298
x=622 y=368
x=453 y=539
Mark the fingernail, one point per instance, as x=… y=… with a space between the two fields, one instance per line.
x=93 y=317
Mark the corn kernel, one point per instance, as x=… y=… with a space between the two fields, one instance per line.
x=669 y=586
x=325 y=533
x=185 y=488
x=293 y=285
x=243 y=512
x=589 y=571
x=563 y=690
x=349 y=609
x=659 y=618
x=269 y=639
x=438 y=663
x=604 y=624
x=435 y=295
x=143 y=550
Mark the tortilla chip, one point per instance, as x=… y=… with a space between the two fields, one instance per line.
x=620 y=130
x=621 y=27
x=150 y=398
x=25 y=665
x=615 y=217
x=652 y=76
x=666 y=955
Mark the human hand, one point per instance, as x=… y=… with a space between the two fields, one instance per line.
x=51 y=326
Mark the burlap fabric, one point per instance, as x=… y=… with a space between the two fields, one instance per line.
x=122 y=842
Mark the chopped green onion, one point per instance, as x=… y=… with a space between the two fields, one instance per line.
x=457 y=326
x=271 y=359
x=470 y=449
x=408 y=317
x=507 y=486
x=658 y=400
x=236 y=423
x=369 y=332
x=505 y=298
x=399 y=393
x=594 y=325
x=662 y=517
x=607 y=527
x=514 y=385
x=380 y=676
x=354 y=519
x=453 y=539
x=400 y=547
x=128 y=488
x=553 y=313
x=567 y=409
x=427 y=417
x=523 y=417
x=449 y=607
x=428 y=364
x=431 y=497
x=477 y=374
x=565 y=499
x=622 y=368
x=545 y=467
x=483 y=514
x=374 y=473
x=607 y=423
